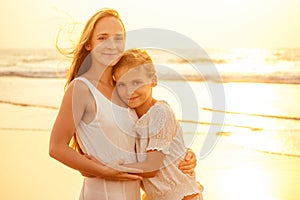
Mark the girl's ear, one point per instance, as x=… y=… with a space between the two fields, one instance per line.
x=154 y=81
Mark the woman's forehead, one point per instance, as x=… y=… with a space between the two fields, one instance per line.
x=109 y=26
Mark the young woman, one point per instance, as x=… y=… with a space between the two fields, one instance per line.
x=86 y=116
x=160 y=145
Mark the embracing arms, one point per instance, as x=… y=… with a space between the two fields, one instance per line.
x=155 y=159
x=64 y=129
x=163 y=136
x=189 y=163
x=151 y=165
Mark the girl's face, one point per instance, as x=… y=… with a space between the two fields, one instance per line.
x=107 y=42
x=133 y=86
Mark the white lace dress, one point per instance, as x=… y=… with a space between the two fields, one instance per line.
x=159 y=130
x=109 y=137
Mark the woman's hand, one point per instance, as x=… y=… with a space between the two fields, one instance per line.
x=115 y=171
x=189 y=163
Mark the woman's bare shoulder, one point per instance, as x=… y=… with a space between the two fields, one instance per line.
x=78 y=86
x=75 y=92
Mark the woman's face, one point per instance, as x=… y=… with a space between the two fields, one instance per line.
x=107 y=42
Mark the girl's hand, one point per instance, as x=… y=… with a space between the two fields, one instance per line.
x=189 y=163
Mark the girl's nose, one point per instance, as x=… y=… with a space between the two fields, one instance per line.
x=130 y=90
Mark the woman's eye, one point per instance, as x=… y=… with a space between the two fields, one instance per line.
x=119 y=38
x=102 y=38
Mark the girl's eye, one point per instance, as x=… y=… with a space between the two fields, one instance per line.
x=137 y=83
x=120 y=85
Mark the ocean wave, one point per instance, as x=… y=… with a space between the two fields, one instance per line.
x=233 y=65
x=262 y=78
x=197 y=60
x=24 y=129
x=36 y=60
x=279 y=140
x=281 y=78
x=281 y=143
x=222 y=125
x=27 y=104
x=19 y=57
x=34 y=74
x=254 y=114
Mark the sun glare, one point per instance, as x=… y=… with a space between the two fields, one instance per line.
x=247 y=182
x=250 y=98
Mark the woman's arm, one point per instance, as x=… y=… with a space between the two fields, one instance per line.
x=189 y=163
x=64 y=129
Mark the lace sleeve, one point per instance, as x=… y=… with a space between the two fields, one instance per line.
x=161 y=128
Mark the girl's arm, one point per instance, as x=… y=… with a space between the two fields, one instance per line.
x=64 y=129
x=161 y=127
x=151 y=165
x=155 y=159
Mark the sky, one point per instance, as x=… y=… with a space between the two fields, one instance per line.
x=210 y=23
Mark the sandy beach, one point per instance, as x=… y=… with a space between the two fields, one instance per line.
x=27 y=172
x=234 y=173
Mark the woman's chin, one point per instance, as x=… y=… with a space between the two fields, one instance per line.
x=114 y=60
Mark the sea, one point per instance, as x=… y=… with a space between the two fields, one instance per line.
x=248 y=96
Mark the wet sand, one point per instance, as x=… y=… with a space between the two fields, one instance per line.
x=27 y=172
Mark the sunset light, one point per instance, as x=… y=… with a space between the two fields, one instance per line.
x=231 y=75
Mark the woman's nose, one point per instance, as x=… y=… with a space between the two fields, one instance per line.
x=110 y=43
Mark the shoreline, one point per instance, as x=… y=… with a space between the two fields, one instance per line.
x=219 y=78
x=233 y=173
x=229 y=172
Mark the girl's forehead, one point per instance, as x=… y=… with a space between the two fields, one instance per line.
x=126 y=71
x=130 y=73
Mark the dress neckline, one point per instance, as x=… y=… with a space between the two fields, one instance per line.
x=100 y=93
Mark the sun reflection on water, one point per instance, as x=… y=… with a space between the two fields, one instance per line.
x=248 y=183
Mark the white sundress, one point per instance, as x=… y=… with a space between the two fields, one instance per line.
x=109 y=137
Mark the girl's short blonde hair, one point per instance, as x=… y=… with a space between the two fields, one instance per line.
x=135 y=58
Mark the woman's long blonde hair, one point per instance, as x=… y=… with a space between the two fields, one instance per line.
x=81 y=60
